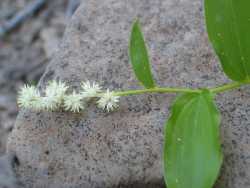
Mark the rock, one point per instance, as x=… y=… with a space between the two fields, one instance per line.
x=51 y=41
x=7 y=175
x=124 y=148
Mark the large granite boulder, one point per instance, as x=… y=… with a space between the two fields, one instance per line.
x=124 y=148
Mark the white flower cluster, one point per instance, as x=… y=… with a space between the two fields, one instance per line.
x=56 y=97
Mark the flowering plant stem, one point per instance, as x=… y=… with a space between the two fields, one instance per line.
x=219 y=89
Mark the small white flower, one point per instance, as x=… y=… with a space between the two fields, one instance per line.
x=55 y=88
x=73 y=102
x=90 y=90
x=108 y=101
x=28 y=97
x=55 y=92
x=38 y=105
x=50 y=103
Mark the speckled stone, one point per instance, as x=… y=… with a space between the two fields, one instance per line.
x=7 y=175
x=124 y=148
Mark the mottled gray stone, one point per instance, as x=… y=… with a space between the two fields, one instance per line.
x=124 y=148
x=7 y=175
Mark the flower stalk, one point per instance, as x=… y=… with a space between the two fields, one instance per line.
x=57 y=96
x=215 y=90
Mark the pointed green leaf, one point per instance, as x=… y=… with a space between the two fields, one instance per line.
x=192 y=153
x=139 y=57
x=228 y=26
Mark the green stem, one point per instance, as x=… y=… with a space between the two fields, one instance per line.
x=157 y=90
x=227 y=87
x=215 y=90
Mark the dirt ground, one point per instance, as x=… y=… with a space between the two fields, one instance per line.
x=25 y=52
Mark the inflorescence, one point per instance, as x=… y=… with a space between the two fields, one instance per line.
x=57 y=97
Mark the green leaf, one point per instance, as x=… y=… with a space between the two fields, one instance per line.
x=228 y=26
x=192 y=151
x=139 y=57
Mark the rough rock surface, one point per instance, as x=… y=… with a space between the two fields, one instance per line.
x=124 y=148
x=7 y=175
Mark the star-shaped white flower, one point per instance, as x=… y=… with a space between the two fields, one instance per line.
x=108 y=101
x=73 y=102
x=54 y=95
x=28 y=97
x=50 y=103
x=90 y=90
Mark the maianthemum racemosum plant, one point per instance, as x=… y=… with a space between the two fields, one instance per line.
x=192 y=150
